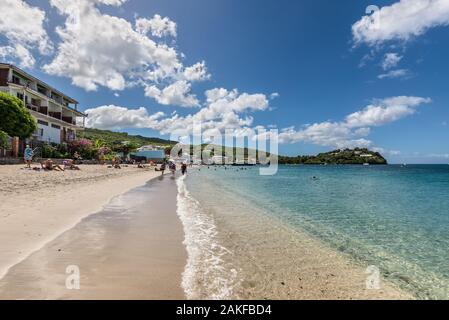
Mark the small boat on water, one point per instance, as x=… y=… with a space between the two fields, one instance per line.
x=366 y=164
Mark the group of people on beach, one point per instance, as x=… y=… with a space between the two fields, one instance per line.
x=71 y=164
x=172 y=167
x=49 y=165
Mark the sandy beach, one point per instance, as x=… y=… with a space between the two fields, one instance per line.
x=37 y=207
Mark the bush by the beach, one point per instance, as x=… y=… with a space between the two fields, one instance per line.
x=15 y=119
x=84 y=147
x=54 y=151
x=4 y=140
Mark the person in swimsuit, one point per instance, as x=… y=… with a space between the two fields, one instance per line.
x=49 y=165
x=163 y=167
x=184 y=168
x=172 y=167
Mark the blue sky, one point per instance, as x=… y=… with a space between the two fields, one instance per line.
x=316 y=70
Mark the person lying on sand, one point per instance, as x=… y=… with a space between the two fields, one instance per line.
x=48 y=165
x=141 y=165
x=69 y=164
x=116 y=163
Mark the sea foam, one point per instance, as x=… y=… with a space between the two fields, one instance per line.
x=207 y=275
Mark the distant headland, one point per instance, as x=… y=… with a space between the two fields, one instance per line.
x=340 y=156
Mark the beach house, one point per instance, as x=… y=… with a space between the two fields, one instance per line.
x=57 y=115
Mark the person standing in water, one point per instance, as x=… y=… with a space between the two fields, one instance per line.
x=28 y=156
x=163 y=167
x=184 y=168
x=172 y=167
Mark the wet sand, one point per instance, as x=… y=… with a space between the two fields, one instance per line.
x=132 y=249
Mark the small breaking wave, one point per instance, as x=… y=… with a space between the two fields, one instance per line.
x=207 y=275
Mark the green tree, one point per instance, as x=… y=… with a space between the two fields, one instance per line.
x=15 y=119
x=4 y=141
x=126 y=147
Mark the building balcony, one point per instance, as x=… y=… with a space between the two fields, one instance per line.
x=53 y=98
x=33 y=107
x=70 y=120
x=56 y=115
x=53 y=117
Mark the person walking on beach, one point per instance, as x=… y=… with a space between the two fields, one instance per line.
x=184 y=168
x=172 y=167
x=163 y=167
x=28 y=156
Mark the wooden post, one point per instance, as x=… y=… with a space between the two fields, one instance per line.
x=15 y=147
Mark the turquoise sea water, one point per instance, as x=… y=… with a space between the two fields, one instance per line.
x=393 y=217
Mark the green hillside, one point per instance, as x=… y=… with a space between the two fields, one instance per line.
x=343 y=156
x=114 y=138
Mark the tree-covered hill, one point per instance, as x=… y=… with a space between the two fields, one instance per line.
x=114 y=138
x=342 y=156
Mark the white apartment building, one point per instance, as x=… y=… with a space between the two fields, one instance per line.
x=56 y=113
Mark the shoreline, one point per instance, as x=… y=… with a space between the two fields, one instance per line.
x=40 y=206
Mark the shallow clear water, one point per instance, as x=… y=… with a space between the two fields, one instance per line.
x=393 y=217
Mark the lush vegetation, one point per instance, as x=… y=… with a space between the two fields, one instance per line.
x=99 y=144
x=15 y=119
x=111 y=138
x=342 y=156
x=4 y=141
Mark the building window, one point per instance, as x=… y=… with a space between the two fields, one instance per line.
x=42 y=123
x=20 y=96
x=55 y=126
x=39 y=132
x=15 y=79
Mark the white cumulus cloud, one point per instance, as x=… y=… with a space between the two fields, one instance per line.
x=402 y=21
x=351 y=132
x=157 y=26
x=177 y=93
x=23 y=27
x=116 y=117
x=393 y=74
x=391 y=60
x=98 y=49
x=385 y=111
x=230 y=111
x=224 y=110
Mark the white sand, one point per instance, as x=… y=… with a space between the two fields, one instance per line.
x=36 y=207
